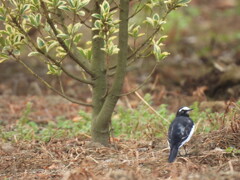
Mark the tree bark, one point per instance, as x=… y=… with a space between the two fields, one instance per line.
x=104 y=107
x=100 y=81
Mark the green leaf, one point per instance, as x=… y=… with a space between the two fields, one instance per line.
x=105 y=7
x=81 y=13
x=71 y=2
x=141 y=34
x=77 y=38
x=150 y=21
x=24 y=8
x=64 y=7
x=38 y=19
x=6 y=49
x=69 y=28
x=16 y=52
x=40 y=42
x=82 y=51
x=97 y=16
x=76 y=27
x=83 y=3
x=87 y=53
x=52 y=45
x=157 y=51
x=54 y=69
x=34 y=53
x=60 y=52
x=164 y=54
x=63 y=36
x=9 y=29
x=156 y=17
x=35 y=20
x=183 y=1
x=98 y=24
x=36 y=2
x=2 y=41
x=2 y=18
x=3 y=57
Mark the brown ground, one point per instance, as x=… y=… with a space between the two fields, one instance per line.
x=78 y=158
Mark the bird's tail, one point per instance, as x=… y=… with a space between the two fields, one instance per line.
x=173 y=154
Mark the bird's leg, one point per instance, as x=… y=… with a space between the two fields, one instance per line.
x=179 y=153
x=186 y=153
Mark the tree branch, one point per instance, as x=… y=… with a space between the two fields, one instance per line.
x=74 y=54
x=49 y=57
x=147 y=41
x=75 y=77
x=137 y=10
x=144 y=82
x=49 y=86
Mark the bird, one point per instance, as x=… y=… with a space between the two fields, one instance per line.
x=180 y=131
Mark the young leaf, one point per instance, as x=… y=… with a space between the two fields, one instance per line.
x=64 y=7
x=81 y=13
x=40 y=42
x=63 y=36
x=183 y=1
x=38 y=19
x=97 y=16
x=3 y=57
x=54 y=70
x=76 y=27
x=106 y=6
x=34 y=53
x=24 y=8
x=156 y=17
x=52 y=45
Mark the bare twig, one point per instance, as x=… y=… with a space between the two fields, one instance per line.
x=150 y=107
x=144 y=82
x=48 y=85
x=137 y=10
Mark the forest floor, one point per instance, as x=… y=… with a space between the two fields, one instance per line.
x=208 y=154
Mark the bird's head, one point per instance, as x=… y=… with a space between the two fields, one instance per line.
x=183 y=111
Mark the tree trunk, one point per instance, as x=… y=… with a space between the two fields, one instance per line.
x=104 y=104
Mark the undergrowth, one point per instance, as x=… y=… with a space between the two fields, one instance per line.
x=138 y=123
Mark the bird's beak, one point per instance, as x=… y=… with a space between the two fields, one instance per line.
x=190 y=109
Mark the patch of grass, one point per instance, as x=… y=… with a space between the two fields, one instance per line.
x=207 y=120
x=25 y=129
x=232 y=150
x=139 y=123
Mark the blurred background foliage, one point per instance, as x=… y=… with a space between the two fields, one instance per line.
x=203 y=40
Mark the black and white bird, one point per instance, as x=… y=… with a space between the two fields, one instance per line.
x=180 y=131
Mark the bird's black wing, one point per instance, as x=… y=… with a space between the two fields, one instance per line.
x=179 y=131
